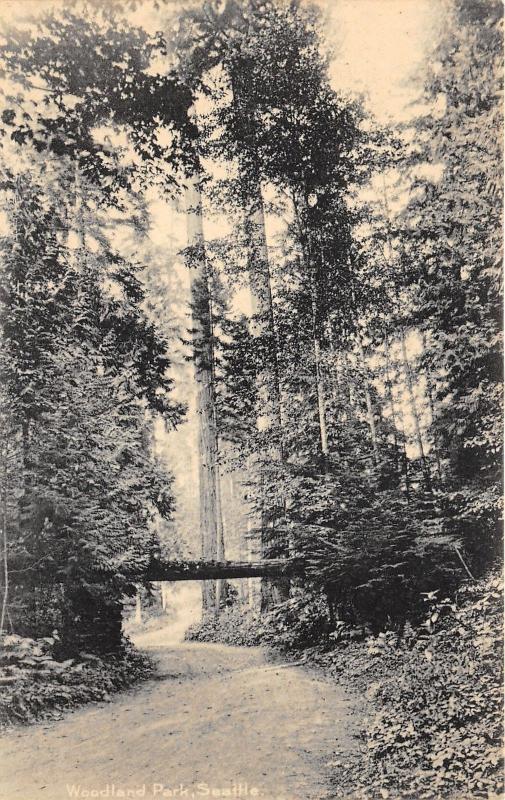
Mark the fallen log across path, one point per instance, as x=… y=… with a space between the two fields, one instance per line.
x=213 y=570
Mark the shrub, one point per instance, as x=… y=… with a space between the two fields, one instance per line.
x=436 y=722
x=236 y=625
x=298 y=622
x=35 y=685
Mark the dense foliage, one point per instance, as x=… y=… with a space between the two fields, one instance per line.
x=440 y=722
x=449 y=246
x=235 y=626
x=35 y=686
x=434 y=697
x=84 y=370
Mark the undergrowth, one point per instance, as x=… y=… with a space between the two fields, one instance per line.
x=435 y=722
x=36 y=686
x=236 y=625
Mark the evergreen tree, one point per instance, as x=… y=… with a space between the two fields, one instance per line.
x=451 y=259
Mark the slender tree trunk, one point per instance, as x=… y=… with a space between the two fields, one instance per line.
x=221 y=535
x=321 y=393
x=397 y=420
x=220 y=587
x=335 y=367
x=138 y=607
x=204 y=368
x=163 y=589
x=389 y=396
x=301 y=208
x=250 y=581
x=431 y=401
x=75 y=221
x=262 y=327
x=260 y=289
x=269 y=413
x=413 y=409
x=368 y=401
x=238 y=519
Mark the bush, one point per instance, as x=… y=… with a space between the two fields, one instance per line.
x=292 y=625
x=236 y=625
x=298 y=622
x=36 y=686
x=436 y=719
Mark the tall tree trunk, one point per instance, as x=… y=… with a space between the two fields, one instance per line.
x=414 y=410
x=221 y=535
x=368 y=401
x=300 y=205
x=320 y=388
x=250 y=581
x=390 y=399
x=269 y=413
x=260 y=289
x=220 y=587
x=237 y=519
x=397 y=419
x=204 y=373
x=335 y=375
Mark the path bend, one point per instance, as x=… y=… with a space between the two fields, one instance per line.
x=214 y=721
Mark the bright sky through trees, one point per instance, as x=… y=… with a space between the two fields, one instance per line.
x=379 y=44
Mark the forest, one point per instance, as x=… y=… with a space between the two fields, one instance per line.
x=311 y=372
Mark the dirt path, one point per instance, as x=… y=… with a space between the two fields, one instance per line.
x=215 y=722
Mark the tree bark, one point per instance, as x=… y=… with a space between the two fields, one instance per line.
x=250 y=584
x=396 y=418
x=336 y=379
x=268 y=414
x=262 y=325
x=321 y=394
x=203 y=353
x=220 y=585
x=389 y=396
x=260 y=290
x=237 y=517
